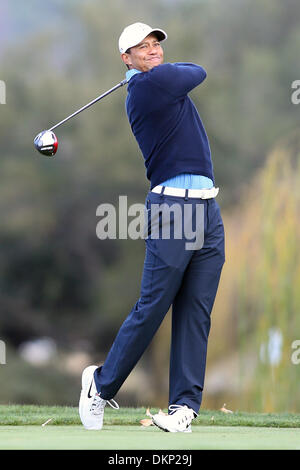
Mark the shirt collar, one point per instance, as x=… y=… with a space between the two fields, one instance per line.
x=130 y=73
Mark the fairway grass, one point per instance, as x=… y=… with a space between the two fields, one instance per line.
x=22 y=427
x=140 y=438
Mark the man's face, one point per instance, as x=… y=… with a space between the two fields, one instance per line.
x=145 y=55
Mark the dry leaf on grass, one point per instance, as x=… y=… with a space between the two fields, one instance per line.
x=224 y=410
x=146 y=422
x=148 y=412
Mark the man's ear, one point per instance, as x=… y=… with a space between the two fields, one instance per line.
x=126 y=59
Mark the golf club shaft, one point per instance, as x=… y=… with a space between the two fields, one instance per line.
x=122 y=83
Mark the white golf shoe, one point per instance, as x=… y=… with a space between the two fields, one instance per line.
x=178 y=420
x=91 y=405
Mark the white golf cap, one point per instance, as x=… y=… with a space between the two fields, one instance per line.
x=135 y=33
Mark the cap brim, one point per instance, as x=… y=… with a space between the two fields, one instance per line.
x=160 y=33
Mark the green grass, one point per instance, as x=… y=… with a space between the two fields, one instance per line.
x=21 y=428
x=120 y=437
x=16 y=415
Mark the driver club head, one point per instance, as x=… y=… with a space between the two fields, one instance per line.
x=46 y=143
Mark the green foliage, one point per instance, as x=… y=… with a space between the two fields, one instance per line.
x=259 y=296
x=24 y=383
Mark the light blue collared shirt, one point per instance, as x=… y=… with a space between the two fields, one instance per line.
x=189 y=181
x=130 y=73
x=184 y=180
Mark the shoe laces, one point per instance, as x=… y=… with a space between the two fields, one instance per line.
x=98 y=404
x=182 y=408
x=113 y=404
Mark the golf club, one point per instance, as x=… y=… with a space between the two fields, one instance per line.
x=46 y=141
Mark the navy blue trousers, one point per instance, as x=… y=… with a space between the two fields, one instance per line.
x=173 y=275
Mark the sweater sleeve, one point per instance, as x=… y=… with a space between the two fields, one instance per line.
x=178 y=78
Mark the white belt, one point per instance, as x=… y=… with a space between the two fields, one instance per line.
x=199 y=193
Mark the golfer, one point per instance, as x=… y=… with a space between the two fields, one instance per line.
x=176 y=272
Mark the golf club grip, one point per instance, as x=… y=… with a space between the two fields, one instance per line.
x=122 y=83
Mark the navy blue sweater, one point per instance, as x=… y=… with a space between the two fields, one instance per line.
x=166 y=123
